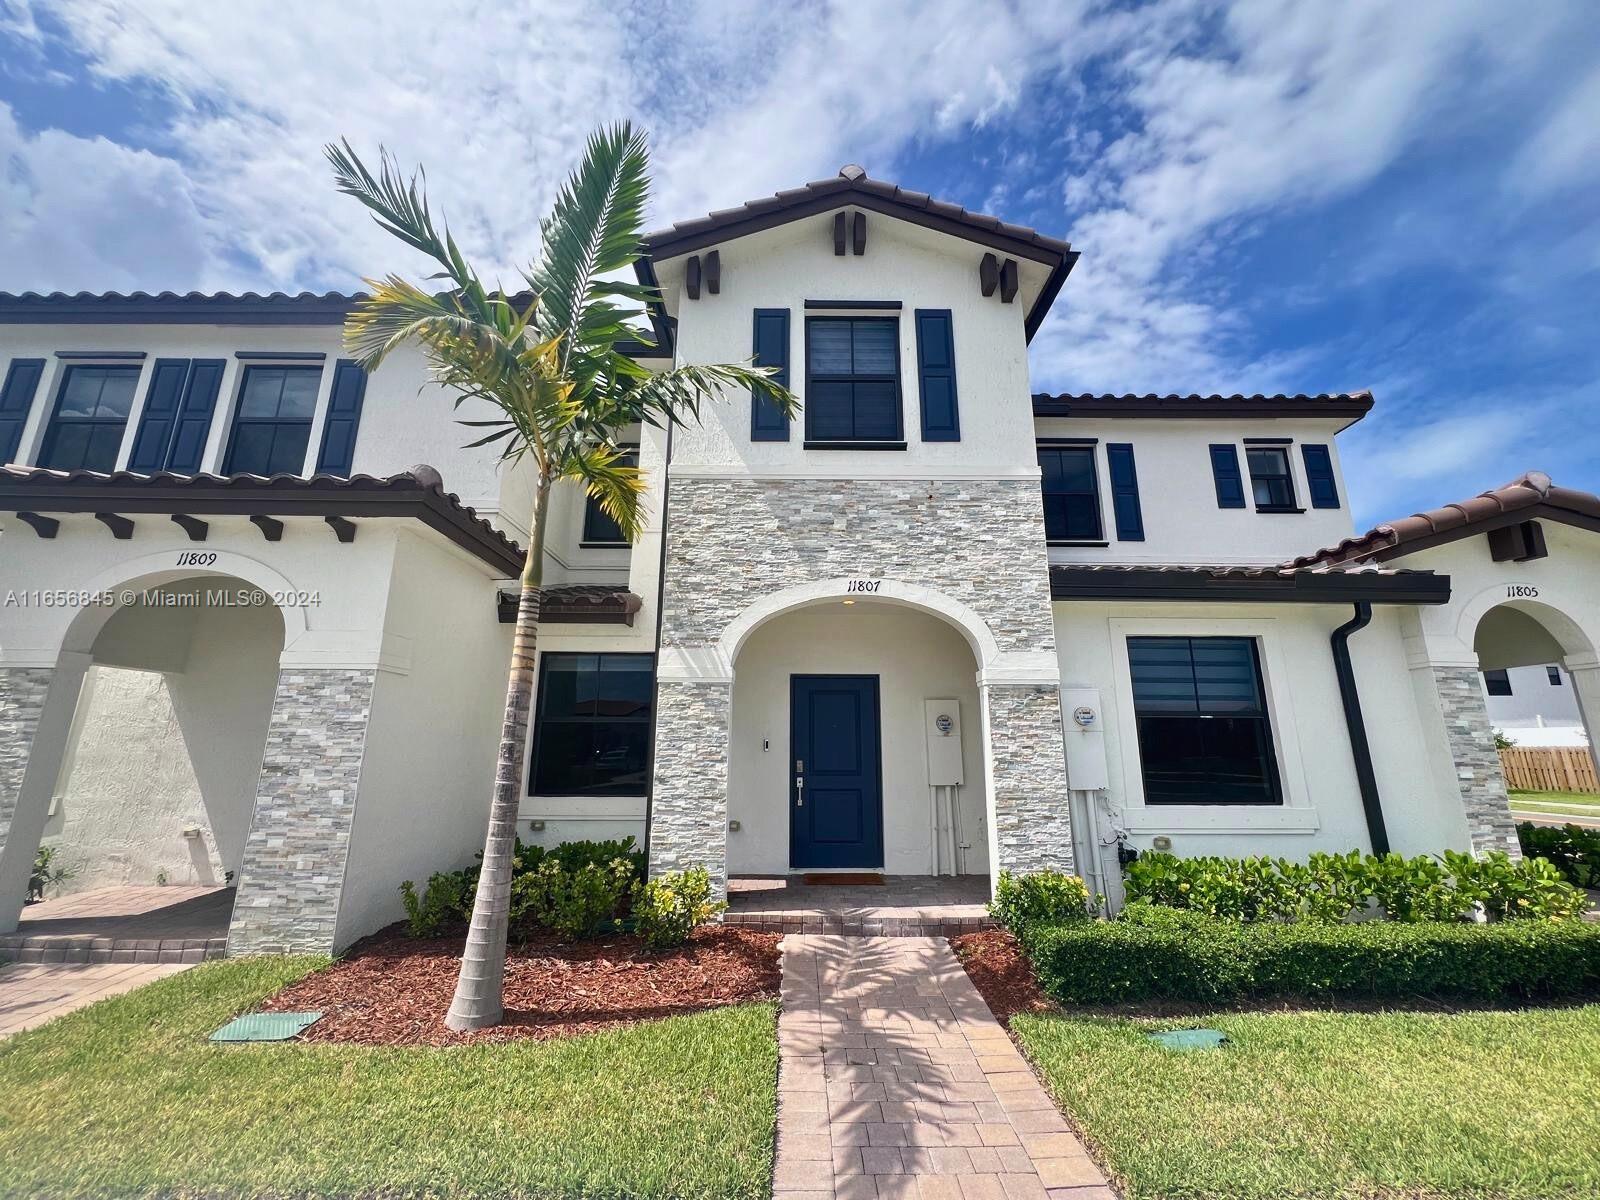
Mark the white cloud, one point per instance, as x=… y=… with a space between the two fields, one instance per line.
x=1566 y=152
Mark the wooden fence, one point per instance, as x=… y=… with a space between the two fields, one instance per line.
x=1549 y=769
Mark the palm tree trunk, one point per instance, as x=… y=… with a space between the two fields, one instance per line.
x=479 y=999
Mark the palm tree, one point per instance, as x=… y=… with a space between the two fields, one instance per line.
x=548 y=362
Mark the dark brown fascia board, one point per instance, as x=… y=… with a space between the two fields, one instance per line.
x=670 y=245
x=425 y=505
x=1302 y=587
x=1534 y=512
x=556 y=613
x=1138 y=407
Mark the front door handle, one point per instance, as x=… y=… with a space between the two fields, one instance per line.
x=799 y=791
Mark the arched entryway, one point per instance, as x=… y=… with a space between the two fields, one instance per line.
x=143 y=766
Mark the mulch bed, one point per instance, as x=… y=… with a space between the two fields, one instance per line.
x=394 y=990
x=1001 y=973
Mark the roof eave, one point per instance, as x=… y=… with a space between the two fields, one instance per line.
x=1068 y=583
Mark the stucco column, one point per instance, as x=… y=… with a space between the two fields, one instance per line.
x=1585 y=673
x=1479 y=780
x=689 y=806
x=36 y=707
x=1026 y=761
x=294 y=855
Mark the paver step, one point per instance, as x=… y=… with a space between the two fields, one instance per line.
x=848 y=925
x=86 y=949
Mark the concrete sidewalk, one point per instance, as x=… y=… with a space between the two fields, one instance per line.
x=895 y=1081
x=33 y=993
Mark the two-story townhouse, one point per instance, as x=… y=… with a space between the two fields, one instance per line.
x=934 y=625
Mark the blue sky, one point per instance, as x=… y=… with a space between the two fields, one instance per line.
x=1268 y=196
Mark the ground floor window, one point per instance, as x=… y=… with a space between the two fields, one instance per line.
x=1204 y=734
x=592 y=725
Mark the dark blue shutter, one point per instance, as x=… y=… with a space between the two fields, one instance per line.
x=338 y=452
x=193 y=423
x=936 y=371
x=16 y=400
x=1319 y=476
x=1125 y=492
x=160 y=415
x=770 y=345
x=1225 y=469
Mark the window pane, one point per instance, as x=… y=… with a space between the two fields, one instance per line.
x=1163 y=675
x=1082 y=517
x=874 y=347
x=104 y=442
x=829 y=411
x=877 y=410
x=289 y=448
x=592 y=731
x=252 y=449
x=80 y=396
x=263 y=386
x=116 y=395
x=1206 y=760
x=68 y=445
x=830 y=347
x=1269 y=477
x=299 y=400
x=1225 y=675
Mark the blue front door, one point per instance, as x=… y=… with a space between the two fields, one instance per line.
x=836 y=772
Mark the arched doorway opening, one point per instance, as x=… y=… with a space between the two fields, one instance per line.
x=164 y=696
x=1536 y=665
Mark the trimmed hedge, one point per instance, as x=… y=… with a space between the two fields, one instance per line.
x=1150 y=953
x=1574 y=850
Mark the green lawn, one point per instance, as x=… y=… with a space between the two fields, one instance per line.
x=126 y=1098
x=1310 y=1104
x=1581 y=804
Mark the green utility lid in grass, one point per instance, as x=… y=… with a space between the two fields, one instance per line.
x=1190 y=1039
x=264 y=1027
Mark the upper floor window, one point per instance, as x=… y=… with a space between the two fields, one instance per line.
x=1553 y=674
x=599 y=527
x=592 y=727
x=1204 y=734
x=273 y=424
x=1071 y=494
x=1497 y=683
x=85 y=431
x=1270 y=481
x=853 y=379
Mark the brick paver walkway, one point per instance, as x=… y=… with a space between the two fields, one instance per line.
x=33 y=993
x=895 y=1081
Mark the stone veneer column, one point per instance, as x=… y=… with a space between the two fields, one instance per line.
x=294 y=856
x=1032 y=818
x=689 y=812
x=1478 y=775
x=22 y=696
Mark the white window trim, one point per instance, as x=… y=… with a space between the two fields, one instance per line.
x=1296 y=814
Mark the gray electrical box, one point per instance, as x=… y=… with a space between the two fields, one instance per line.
x=1085 y=738
x=944 y=742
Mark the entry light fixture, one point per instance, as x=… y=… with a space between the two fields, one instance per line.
x=849 y=602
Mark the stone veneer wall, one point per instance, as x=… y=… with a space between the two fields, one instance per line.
x=731 y=541
x=979 y=541
x=1032 y=820
x=22 y=695
x=1490 y=824
x=294 y=856
x=689 y=809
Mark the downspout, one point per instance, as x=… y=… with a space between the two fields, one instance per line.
x=1360 y=750
x=655 y=659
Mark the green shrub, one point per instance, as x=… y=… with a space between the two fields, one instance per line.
x=446 y=901
x=1572 y=849
x=449 y=895
x=579 y=903
x=1040 y=898
x=668 y=907
x=1335 y=887
x=1149 y=953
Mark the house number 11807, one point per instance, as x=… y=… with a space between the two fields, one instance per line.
x=863 y=585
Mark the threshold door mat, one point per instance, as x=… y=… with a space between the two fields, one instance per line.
x=265 y=1027
x=862 y=879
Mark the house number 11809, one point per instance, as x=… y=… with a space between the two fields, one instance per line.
x=863 y=585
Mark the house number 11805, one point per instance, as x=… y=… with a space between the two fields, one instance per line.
x=863 y=585
x=1521 y=591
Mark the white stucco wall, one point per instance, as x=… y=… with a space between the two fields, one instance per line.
x=1178 y=496
x=785 y=267
x=1322 y=809
x=128 y=791
x=916 y=657
x=428 y=768
x=1535 y=703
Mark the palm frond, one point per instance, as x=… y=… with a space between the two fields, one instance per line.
x=611 y=480
x=593 y=230
x=675 y=395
